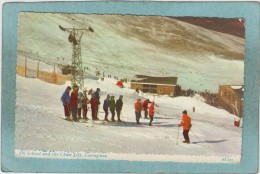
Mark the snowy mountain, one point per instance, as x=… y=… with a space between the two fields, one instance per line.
x=124 y=45
x=40 y=127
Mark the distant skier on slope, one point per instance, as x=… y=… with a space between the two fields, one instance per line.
x=138 y=109
x=237 y=122
x=74 y=102
x=186 y=123
x=151 y=113
x=106 y=106
x=112 y=107
x=145 y=107
x=65 y=98
x=119 y=106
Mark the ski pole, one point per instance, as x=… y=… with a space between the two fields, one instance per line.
x=178 y=136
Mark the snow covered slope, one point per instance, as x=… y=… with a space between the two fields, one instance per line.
x=125 y=45
x=40 y=126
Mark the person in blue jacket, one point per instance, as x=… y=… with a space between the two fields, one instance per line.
x=65 y=98
x=106 y=106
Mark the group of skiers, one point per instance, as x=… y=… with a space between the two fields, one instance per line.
x=139 y=106
x=109 y=103
x=74 y=102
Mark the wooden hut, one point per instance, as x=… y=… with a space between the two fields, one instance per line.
x=156 y=85
x=231 y=98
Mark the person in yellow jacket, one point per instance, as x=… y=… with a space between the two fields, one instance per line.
x=186 y=124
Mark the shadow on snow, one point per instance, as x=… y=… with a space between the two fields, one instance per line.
x=211 y=141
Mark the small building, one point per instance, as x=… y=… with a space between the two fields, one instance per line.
x=231 y=98
x=156 y=85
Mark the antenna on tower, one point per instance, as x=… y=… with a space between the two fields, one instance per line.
x=77 y=72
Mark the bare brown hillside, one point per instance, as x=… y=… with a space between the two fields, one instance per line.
x=234 y=27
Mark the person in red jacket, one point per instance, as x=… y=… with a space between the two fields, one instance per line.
x=74 y=102
x=93 y=106
x=145 y=107
x=138 y=109
x=186 y=123
x=151 y=113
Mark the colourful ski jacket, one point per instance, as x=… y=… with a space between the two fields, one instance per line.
x=145 y=104
x=151 y=110
x=74 y=99
x=138 y=106
x=185 y=122
x=112 y=104
x=93 y=103
x=65 y=98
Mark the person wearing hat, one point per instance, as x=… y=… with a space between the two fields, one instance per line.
x=65 y=98
x=74 y=102
x=151 y=113
x=119 y=106
x=106 y=106
x=186 y=124
x=112 y=107
x=138 y=109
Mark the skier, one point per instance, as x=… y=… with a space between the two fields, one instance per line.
x=186 y=123
x=151 y=113
x=97 y=100
x=93 y=106
x=96 y=94
x=112 y=106
x=119 y=105
x=65 y=98
x=237 y=122
x=74 y=102
x=137 y=91
x=85 y=104
x=138 y=109
x=106 y=106
x=80 y=104
x=145 y=107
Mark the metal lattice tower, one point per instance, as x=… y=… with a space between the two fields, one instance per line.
x=77 y=72
x=76 y=66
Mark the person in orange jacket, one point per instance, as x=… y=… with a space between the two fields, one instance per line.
x=186 y=123
x=151 y=113
x=138 y=109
